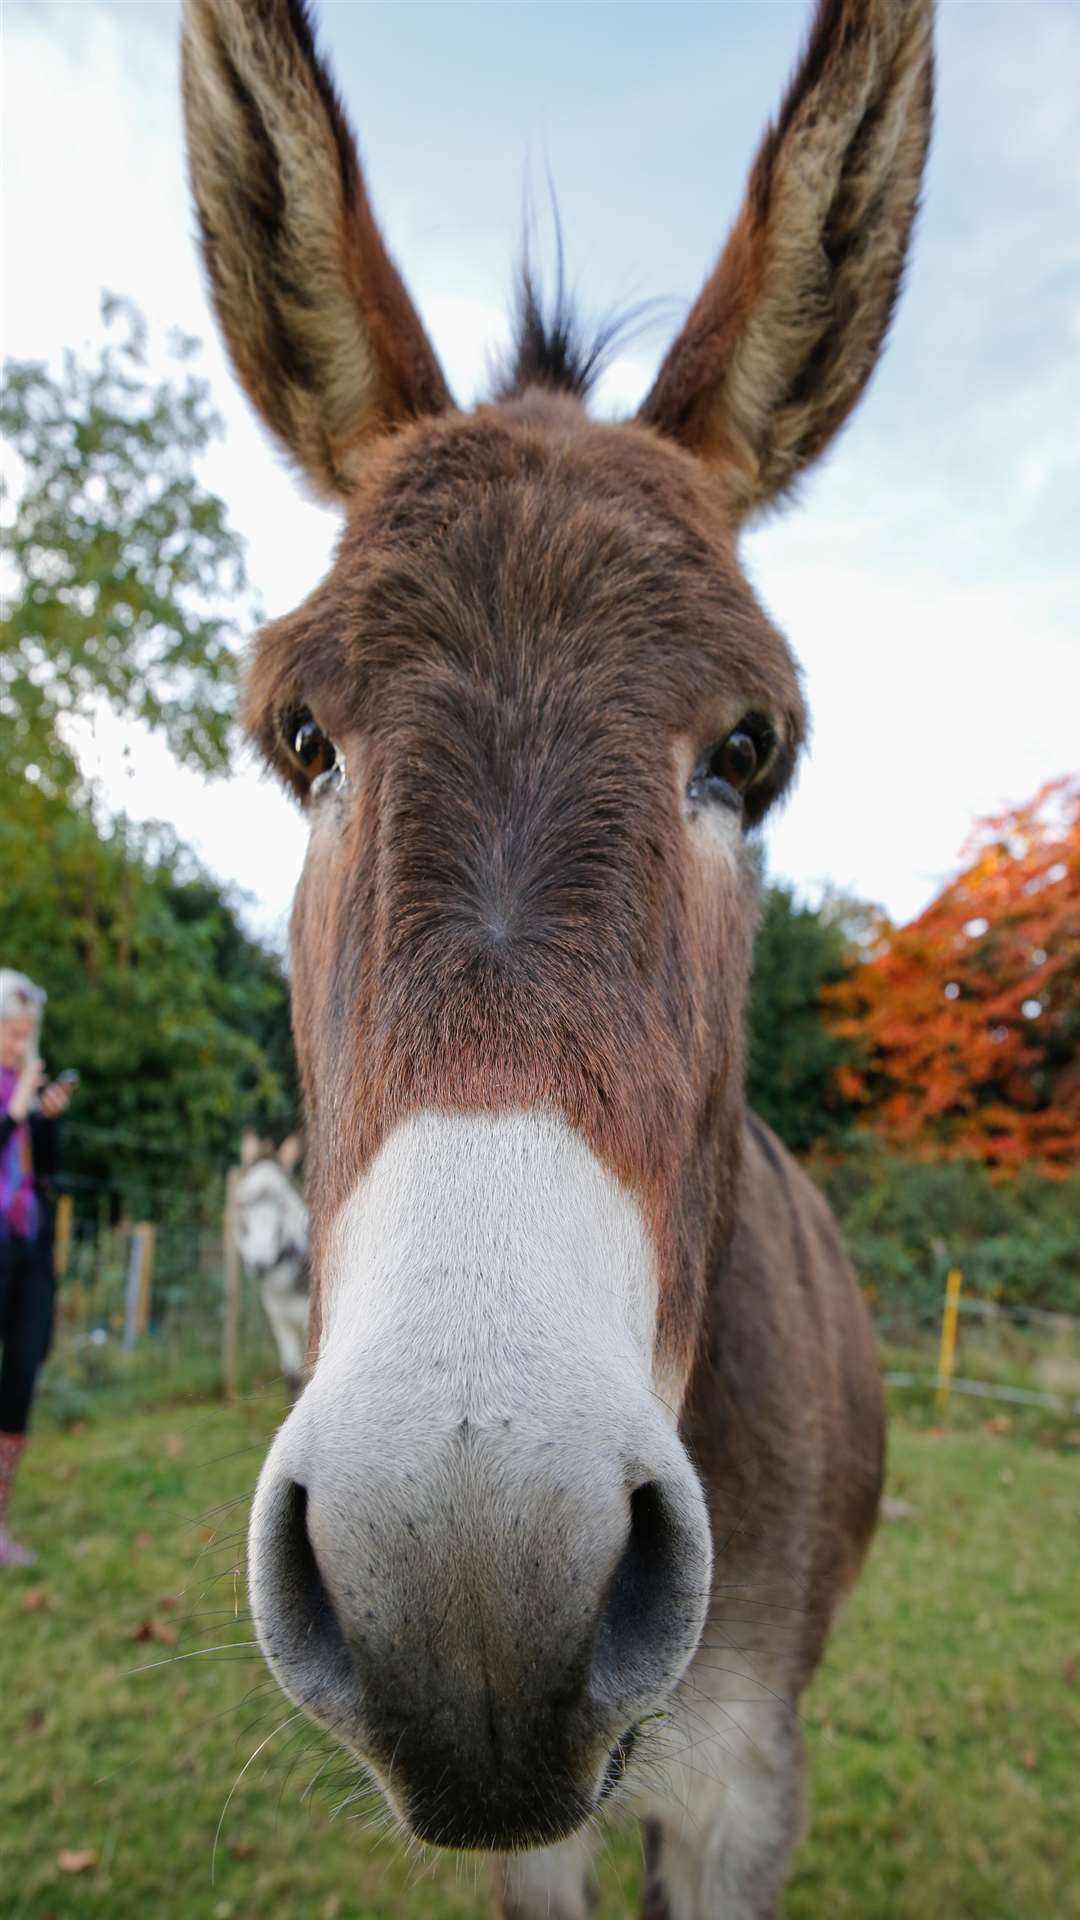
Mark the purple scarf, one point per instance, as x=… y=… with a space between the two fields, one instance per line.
x=19 y=1211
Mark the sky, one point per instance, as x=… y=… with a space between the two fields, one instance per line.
x=929 y=577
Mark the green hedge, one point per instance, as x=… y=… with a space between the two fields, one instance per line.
x=907 y=1222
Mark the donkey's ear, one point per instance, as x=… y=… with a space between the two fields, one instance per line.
x=291 y=1152
x=787 y=330
x=318 y=322
x=250 y=1147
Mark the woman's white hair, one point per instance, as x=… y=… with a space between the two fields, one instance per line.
x=19 y=996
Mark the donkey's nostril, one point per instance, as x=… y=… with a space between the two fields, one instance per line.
x=652 y=1606
x=640 y=1581
x=308 y=1582
x=294 y=1614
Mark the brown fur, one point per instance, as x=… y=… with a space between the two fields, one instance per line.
x=450 y=903
x=785 y=333
x=320 y=327
x=533 y=629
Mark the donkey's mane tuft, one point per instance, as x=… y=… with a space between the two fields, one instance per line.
x=551 y=345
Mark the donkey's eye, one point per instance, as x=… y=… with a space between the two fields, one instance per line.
x=730 y=769
x=735 y=760
x=313 y=751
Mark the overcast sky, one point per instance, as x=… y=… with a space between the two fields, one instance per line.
x=929 y=580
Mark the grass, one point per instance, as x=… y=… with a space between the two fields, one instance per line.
x=943 y=1733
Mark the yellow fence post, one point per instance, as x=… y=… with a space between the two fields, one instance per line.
x=947 y=1355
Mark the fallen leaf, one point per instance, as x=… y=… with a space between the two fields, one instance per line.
x=1031 y=1759
x=34 y=1599
x=143 y=1541
x=153 y=1629
x=241 y=1849
x=1001 y=1423
x=1070 y=1671
x=76 y=1859
x=168 y=1602
x=174 y=1445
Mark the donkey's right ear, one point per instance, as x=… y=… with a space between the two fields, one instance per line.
x=318 y=322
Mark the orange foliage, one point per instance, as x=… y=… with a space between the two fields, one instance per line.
x=966 y=1023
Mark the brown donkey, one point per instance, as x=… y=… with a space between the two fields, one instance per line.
x=591 y=1445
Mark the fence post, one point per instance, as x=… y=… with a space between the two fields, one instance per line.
x=947 y=1354
x=230 y=1326
x=131 y=1291
x=147 y=1241
x=65 y=1209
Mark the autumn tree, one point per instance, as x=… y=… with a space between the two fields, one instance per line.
x=968 y=1019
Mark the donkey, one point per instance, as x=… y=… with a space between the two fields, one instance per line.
x=591 y=1445
x=272 y=1240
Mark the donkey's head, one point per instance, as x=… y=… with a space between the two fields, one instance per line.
x=531 y=714
x=271 y=1219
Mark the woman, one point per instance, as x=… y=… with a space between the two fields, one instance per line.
x=29 y=1150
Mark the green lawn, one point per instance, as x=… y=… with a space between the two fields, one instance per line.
x=944 y=1735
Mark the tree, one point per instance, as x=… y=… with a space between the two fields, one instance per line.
x=119 y=565
x=794 y=1055
x=118 y=559
x=968 y=1019
x=177 y=1020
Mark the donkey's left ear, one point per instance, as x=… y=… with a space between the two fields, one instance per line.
x=291 y=1152
x=316 y=316
x=787 y=330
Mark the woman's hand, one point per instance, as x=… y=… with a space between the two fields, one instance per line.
x=26 y=1086
x=55 y=1100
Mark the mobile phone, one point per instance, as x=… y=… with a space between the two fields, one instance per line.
x=69 y=1078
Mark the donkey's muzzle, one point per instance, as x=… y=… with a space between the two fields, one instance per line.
x=487 y=1652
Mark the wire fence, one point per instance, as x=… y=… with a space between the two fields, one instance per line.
x=146 y=1309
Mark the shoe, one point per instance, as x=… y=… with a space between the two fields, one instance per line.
x=12 y=1554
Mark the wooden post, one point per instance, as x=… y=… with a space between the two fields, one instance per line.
x=147 y=1237
x=947 y=1354
x=230 y=1327
x=131 y=1291
x=65 y=1210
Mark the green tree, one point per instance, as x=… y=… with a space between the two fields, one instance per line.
x=175 y=1017
x=794 y=1057
x=119 y=565
x=118 y=560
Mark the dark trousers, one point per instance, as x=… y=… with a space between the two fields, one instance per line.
x=27 y=1290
